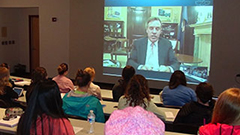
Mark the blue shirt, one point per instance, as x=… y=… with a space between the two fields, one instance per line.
x=178 y=96
x=80 y=106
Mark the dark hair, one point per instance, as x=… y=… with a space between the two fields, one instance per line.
x=62 y=68
x=82 y=78
x=137 y=90
x=39 y=74
x=204 y=92
x=177 y=78
x=127 y=74
x=227 y=107
x=4 y=65
x=45 y=99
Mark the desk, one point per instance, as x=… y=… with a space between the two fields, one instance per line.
x=98 y=128
x=183 y=58
x=4 y=129
x=107 y=95
x=22 y=98
x=25 y=81
x=112 y=106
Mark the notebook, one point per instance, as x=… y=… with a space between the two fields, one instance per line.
x=10 y=123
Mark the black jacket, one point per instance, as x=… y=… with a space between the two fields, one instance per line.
x=195 y=113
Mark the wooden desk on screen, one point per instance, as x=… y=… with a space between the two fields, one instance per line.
x=183 y=58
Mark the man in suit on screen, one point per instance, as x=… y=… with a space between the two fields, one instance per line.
x=153 y=52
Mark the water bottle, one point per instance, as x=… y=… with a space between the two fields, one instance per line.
x=91 y=120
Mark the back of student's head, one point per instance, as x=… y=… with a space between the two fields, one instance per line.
x=204 y=92
x=62 y=68
x=177 y=78
x=4 y=65
x=4 y=72
x=45 y=99
x=137 y=90
x=91 y=72
x=82 y=78
x=4 y=77
x=127 y=73
x=39 y=74
x=134 y=121
x=227 y=107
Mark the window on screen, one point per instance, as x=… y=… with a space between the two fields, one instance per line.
x=182 y=38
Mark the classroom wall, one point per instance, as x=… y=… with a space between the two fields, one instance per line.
x=8 y=20
x=16 y=22
x=54 y=36
x=77 y=38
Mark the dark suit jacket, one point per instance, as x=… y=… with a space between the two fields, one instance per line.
x=165 y=53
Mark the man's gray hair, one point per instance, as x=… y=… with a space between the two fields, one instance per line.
x=153 y=18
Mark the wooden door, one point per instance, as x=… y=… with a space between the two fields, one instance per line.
x=137 y=17
x=34 y=42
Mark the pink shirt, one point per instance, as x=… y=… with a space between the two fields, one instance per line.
x=64 y=83
x=52 y=126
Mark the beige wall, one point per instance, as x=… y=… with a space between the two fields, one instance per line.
x=77 y=38
x=86 y=35
x=19 y=3
x=16 y=22
x=54 y=36
x=9 y=53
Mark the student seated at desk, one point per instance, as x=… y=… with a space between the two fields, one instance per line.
x=64 y=83
x=226 y=115
x=134 y=121
x=137 y=94
x=177 y=93
x=39 y=74
x=8 y=67
x=120 y=87
x=80 y=102
x=93 y=88
x=7 y=95
x=200 y=112
x=44 y=114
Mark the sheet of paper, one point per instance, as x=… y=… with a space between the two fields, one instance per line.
x=22 y=83
x=169 y=115
x=77 y=129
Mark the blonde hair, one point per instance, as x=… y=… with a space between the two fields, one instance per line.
x=227 y=107
x=4 y=79
x=91 y=72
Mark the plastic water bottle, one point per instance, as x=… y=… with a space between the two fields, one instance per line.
x=91 y=120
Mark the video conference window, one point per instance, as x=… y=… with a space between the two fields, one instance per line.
x=158 y=37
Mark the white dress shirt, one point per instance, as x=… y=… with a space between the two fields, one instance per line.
x=152 y=55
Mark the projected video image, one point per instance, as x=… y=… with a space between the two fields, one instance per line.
x=158 y=38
